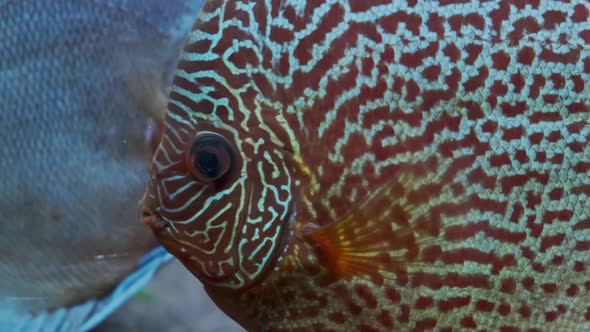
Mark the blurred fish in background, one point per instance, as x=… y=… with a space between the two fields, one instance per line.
x=171 y=302
x=83 y=85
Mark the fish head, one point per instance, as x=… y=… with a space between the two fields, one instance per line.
x=219 y=196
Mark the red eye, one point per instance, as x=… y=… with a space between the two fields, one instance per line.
x=210 y=157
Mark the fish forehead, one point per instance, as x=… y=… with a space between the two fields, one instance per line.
x=494 y=91
x=375 y=85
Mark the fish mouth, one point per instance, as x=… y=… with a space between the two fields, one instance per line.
x=161 y=229
x=153 y=220
x=149 y=214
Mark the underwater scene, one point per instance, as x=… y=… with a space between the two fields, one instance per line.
x=288 y=165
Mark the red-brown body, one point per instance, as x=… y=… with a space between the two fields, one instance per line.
x=457 y=129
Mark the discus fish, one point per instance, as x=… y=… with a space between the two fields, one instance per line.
x=382 y=165
x=83 y=87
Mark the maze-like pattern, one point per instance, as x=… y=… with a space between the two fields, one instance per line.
x=484 y=103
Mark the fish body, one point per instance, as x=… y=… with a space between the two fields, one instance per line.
x=379 y=166
x=83 y=86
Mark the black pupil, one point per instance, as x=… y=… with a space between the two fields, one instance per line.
x=210 y=157
x=208 y=164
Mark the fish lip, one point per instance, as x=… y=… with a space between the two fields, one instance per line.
x=153 y=219
x=149 y=214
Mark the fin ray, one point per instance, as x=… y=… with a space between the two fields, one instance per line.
x=381 y=236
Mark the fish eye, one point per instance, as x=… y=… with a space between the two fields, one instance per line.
x=210 y=157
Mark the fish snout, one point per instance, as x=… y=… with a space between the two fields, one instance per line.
x=152 y=219
x=149 y=210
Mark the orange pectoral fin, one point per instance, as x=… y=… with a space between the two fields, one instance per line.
x=364 y=242
x=385 y=233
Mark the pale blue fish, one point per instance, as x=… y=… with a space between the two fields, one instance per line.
x=83 y=86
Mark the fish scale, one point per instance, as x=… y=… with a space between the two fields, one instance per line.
x=461 y=124
x=82 y=85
